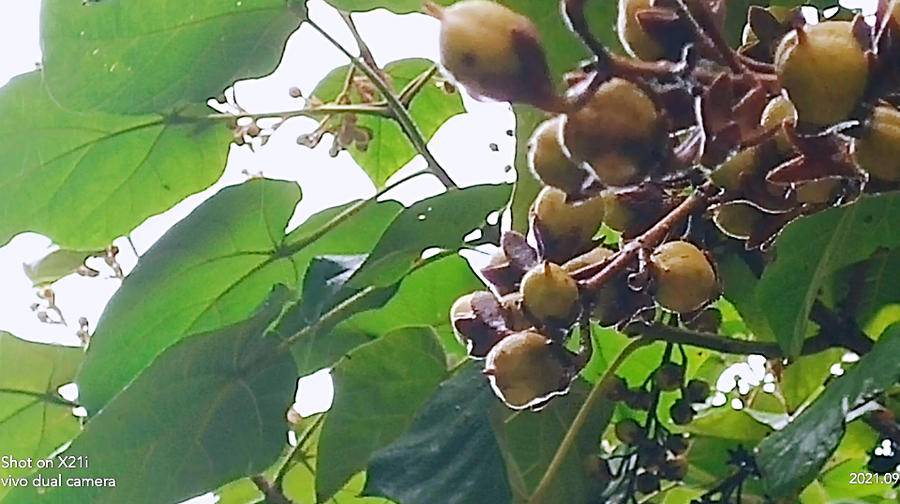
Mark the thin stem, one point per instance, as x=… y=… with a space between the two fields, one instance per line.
x=705 y=30
x=273 y=494
x=414 y=86
x=43 y=396
x=364 y=52
x=372 y=109
x=710 y=341
x=400 y=113
x=304 y=438
x=578 y=423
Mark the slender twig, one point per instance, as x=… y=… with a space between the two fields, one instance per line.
x=705 y=30
x=414 y=86
x=299 y=447
x=364 y=52
x=273 y=494
x=595 y=276
x=578 y=423
x=42 y=396
x=373 y=109
x=400 y=113
x=710 y=341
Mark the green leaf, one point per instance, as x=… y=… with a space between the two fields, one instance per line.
x=210 y=270
x=389 y=149
x=529 y=441
x=450 y=454
x=55 y=265
x=791 y=458
x=739 y=287
x=85 y=179
x=811 y=249
x=207 y=411
x=805 y=375
x=34 y=420
x=728 y=423
x=878 y=288
x=441 y=221
x=378 y=388
x=132 y=57
x=418 y=302
x=241 y=491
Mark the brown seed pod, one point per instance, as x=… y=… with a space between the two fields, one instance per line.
x=494 y=52
x=549 y=162
x=550 y=295
x=824 y=69
x=684 y=278
x=525 y=369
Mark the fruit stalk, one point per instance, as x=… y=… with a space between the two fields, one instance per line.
x=595 y=276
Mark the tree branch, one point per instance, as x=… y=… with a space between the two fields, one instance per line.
x=595 y=276
x=372 y=109
x=400 y=113
x=578 y=423
x=661 y=332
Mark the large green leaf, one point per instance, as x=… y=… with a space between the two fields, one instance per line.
x=739 y=287
x=85 y=179
x=207 y=411
x=530 y=440
x=210 y=270
x=805 y=375
x=441 y=221
x=418 y=301
x=389 y=149
x=34 y=420
x=791 y=458
x=378 y=388
x=449 y=455
x=811 y=249
x=135 y=57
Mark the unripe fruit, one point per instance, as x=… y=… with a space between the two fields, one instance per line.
x=677 y=444
x=633 y=210
x=524 y=369
x=878 y=151
x=647 y=483
x=617 y=132
x=669 y=377
x=696 y=391
x=650 y=453
x=681 y=412
x=493 y=51
x=639 y=399
x=617 y=389
x=549 y=163
x=674 y=469
x=629 y=432
x=634 y=39
x=550 y=294
x=573 y=222
x=685 y=279
x=824 y=70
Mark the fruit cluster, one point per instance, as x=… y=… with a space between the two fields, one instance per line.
x=684 y=145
